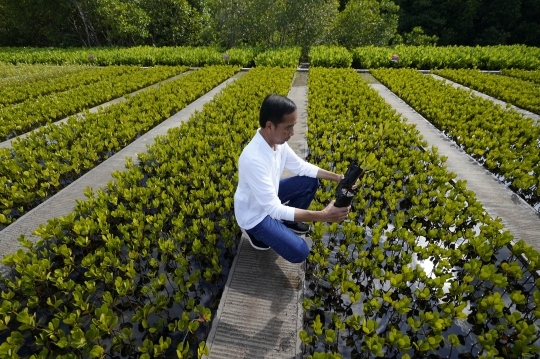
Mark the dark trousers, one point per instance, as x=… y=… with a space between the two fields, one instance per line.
x=297 y=192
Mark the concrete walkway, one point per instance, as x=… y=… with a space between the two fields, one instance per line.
x=499 y=201
x=525 y=113
x=95 y=109
x=260 y=312
x=64 y=201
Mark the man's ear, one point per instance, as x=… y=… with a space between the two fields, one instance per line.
x=269 y=125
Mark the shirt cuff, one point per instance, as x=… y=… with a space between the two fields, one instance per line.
x=289 y=215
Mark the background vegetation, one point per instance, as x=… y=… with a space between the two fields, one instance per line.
x=473 y=22
x=231 y=23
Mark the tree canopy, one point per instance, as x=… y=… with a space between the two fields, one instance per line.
x=264 y=23
x=365 y=22
x=473 y=22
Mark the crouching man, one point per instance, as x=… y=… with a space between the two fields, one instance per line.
x=271 y=211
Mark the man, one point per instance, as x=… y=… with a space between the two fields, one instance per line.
x=271 y=211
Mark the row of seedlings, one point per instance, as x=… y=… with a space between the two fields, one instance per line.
x=287 y=56
x=453 y=57
x=13 y=75
x=329 y=56
x=422 y=57
x=49 y=159
x=419 y=269
x=504 y=141
x=138 y=267
x=171 y=55
x=21 y=92
x=510 y=89
x=35 y=112
x=136 y=55
x=532 y=76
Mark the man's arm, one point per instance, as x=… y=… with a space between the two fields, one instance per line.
x=329 y=214
x=324 y=174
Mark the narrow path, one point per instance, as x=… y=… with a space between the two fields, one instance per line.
x=498 y=200
x=95 y=109
x=525 y=113
x=63 y=203
x=260 y=312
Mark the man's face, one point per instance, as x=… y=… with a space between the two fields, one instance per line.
x=284 y=130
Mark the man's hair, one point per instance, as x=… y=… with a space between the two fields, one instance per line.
x=273 y=108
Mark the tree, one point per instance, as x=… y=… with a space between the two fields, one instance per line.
x=496 y=20
x=426 y=14
x=99 y=22
x=366 y=22
x=228 y=21
x=527 y=31
x=307 y=22
x=473 y=22
x=417 y=37
x=85 y=21
x=125 y=23
x=173 y=22
x=35 y=22
x=271 y=23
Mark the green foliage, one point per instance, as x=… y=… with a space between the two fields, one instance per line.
x=417 y=37
x=514 y=91
x=418 y=260
x=92 y=23
x=270 y=24
x=22 y=74
x=366 y=22
x=49 y=159
x=173 y=22
x=123 y=20
x=532 y=76
x=370 y=57
x=14 y=94
x=422 y=57
x=125 y=273
x=282 y=57
x=329 y=56
x=37 y=23
x=243 y=56
x=473 y=22
x=457 y=57
x=503 y=141
x=100 y=22
x=139 y=55
x=110 y=83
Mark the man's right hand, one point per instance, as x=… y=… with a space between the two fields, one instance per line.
x=335 y=214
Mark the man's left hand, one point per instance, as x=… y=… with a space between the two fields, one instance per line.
x=341 y=177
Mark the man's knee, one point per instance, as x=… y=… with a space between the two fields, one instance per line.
x=312 y=185
x=299 y=255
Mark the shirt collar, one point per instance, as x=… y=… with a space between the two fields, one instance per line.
x=264 y=146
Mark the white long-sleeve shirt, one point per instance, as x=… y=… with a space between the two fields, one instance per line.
x=260 y=169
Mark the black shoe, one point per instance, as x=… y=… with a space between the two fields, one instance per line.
x=254 y=242
x=297 y=227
